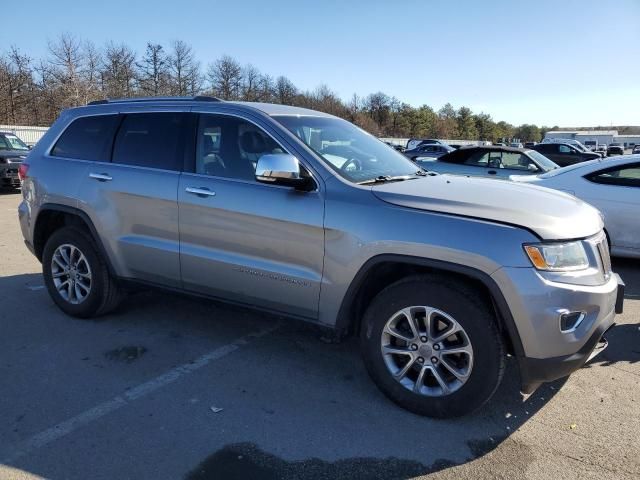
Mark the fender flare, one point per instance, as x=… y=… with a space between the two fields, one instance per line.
x=86 y=220
x=506 y=318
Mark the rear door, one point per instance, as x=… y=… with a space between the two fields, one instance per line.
x=132 y=200
x=477 y=164
x=245 y=241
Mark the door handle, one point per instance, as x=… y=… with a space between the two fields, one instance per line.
x=201 y=191
x=102 y=177
x=492 y=172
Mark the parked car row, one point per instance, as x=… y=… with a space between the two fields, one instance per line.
x=565 y=154
x=612 y=185
x=488 y=161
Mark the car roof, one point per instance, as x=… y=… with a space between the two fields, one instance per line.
x=278 y=109
x=267 y=108
x=493 y=148
x=593 y=165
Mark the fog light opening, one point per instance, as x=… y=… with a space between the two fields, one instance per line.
x=570 y=321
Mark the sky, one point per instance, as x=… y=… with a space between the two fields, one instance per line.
x=565 y=63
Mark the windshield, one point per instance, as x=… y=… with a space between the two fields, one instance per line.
x=350 y=151
x=11 y=142
x=541 y=160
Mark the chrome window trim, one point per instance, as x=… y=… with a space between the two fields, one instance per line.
x=240 y=180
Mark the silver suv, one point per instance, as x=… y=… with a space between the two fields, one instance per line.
x=301 y=213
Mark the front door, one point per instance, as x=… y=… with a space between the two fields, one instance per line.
x=253 y=243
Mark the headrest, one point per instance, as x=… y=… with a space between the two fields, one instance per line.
x=252 y=142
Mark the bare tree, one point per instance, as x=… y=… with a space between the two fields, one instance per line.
x=251 y=77
x=91 y=72
x=225 y=76
x=286 y=91
x=118 y=72
x=153 y=71
x=16 y=81
x=66 y=60
x=75 y=72
x=266 y=89
x=185 y=76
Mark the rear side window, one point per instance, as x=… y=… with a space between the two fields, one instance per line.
x=628 y=176
x=87 y=138
x=151 y=140
x=478 y=159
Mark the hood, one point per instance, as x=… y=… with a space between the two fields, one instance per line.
x=552 y=215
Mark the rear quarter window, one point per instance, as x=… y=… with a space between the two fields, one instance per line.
x=87 y=138
x=152 y=140
x=627 y=176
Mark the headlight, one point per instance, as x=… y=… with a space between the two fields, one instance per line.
x=558 y=257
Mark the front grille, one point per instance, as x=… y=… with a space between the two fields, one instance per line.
x=605 y=256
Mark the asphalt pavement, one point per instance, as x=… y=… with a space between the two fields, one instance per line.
x=171 y=387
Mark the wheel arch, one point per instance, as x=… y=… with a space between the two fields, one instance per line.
x=52 y=217
x=382 y=270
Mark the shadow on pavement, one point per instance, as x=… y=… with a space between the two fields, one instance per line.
x=629 y=271
x=356 y=427
x=10 y=191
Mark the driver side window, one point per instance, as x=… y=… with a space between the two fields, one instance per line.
x=230 y=147
x=517 y=161
x=478 y=160
x=564 y=149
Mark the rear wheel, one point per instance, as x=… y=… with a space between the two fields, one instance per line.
x=432 y=346
x=77 y=276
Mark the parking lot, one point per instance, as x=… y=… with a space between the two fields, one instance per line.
x=175 y=387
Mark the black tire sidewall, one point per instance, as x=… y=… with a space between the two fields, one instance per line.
x=470 y=312
x=99 y=273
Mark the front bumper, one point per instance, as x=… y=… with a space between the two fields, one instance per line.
x=535 y=302
x=535 y=371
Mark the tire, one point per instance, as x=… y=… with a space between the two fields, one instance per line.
x=103 y=295
x=481 y=367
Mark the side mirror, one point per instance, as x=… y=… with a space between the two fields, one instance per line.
x=30 y=147
x=281 y=169
x=532 y=168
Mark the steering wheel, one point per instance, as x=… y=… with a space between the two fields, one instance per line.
x=215 y=165
x=352 y=161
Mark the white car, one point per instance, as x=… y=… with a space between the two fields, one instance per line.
x=611 y=185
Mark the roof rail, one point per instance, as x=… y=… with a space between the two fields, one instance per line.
x=197 y=98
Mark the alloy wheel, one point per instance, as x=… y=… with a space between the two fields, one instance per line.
x=71 y=273
x=427 y=351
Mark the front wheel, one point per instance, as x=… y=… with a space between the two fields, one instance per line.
x=432 y=345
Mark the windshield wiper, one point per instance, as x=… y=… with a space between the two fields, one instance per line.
x=426 y=173
x=387 y=178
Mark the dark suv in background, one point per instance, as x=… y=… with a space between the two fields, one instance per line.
x=12 y=152
x=564 y=154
